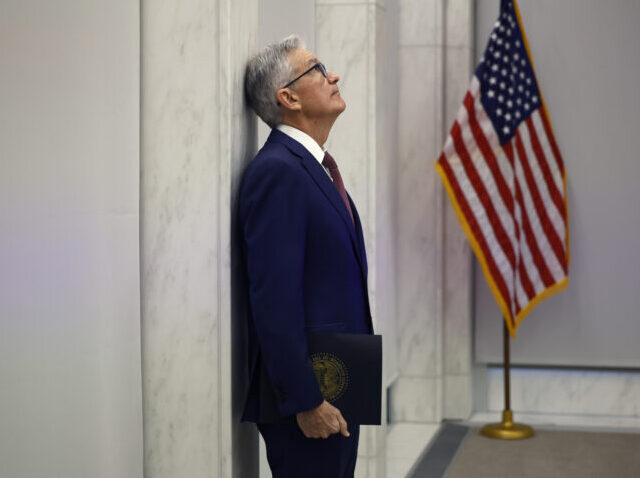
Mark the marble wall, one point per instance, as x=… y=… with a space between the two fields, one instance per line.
x=415 y=394
x=457 y=257
x=612 y=393
x=433 y=269
x=196 y=138
x=604 y=399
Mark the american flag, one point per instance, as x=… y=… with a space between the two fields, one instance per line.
x=505 y=177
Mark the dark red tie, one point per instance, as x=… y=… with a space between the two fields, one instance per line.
x=330 y=163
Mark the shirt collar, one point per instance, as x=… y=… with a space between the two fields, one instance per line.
x=304 y=139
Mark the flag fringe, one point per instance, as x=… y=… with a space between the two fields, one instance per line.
x=545 y=294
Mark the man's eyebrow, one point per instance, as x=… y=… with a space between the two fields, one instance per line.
x=312 y=61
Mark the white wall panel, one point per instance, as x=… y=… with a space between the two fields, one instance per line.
x=70 y=403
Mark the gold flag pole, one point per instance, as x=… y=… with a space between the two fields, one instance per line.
x=507 y=429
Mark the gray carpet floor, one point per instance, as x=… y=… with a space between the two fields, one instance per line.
x=549 y=454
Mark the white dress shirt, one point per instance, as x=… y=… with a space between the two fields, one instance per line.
x=307 y=141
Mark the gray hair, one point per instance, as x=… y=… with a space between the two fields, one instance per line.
x=267 y=71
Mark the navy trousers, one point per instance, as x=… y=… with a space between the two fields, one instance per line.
x=292 y=455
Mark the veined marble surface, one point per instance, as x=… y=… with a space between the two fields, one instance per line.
x=459 y=17
x=415 y=399
x=421 y=22
x=179 y=197
x=195 y=134
x=434 y=267
x=457 y=269
x=384 y=186
x=595 y=393
x=416 y=235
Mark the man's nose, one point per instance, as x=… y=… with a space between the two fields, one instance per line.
x=332 y=77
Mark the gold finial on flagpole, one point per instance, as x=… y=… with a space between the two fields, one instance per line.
x=507 y=429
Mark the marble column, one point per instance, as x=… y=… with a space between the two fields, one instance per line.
x=196 y=138
x=433 y=275
x=416 y=395
x=457 y=267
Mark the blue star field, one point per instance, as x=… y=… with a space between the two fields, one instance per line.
x=508 y=87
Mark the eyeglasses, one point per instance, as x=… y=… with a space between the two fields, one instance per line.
x=318 y=66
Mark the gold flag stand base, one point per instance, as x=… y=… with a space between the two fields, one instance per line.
x=507 y=430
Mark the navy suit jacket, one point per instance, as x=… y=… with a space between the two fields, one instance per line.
x=306 y=269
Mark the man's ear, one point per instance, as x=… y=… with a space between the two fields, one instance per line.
x=289 y=99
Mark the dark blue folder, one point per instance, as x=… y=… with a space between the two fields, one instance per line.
x=348 y=368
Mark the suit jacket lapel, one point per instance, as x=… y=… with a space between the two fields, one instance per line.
x=359 y=236
x=323 y=181
x=363 y=257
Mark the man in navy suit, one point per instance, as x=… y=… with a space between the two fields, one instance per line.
x=305 y=261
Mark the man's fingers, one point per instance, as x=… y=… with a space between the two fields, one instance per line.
x=343 y=426
x=335 y=424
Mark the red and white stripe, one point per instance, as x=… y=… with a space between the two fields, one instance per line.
x=512 y=198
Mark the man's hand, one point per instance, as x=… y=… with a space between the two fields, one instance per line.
x=322 y=421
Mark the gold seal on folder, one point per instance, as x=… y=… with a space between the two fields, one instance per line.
x=331 y=373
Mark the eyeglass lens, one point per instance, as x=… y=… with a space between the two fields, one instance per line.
x=322 y=69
